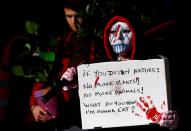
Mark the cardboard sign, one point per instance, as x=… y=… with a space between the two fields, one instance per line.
x=126 y=93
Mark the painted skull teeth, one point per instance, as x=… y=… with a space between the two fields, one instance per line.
x=119 y=48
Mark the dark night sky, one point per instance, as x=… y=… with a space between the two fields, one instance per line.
x=13 y=14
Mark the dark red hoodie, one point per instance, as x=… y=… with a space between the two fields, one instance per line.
x=107 y=46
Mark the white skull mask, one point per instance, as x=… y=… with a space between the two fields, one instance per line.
x=120 y=37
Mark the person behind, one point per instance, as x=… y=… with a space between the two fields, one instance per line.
x=74 y=47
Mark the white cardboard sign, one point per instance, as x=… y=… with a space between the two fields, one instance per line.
x=127 y=93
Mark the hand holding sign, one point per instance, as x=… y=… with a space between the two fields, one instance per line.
x=69 y=75
x=170 y=119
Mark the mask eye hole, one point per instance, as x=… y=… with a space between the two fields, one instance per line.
x=112 y=32
x=126 y=31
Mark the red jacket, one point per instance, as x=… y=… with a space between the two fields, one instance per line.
x=72 y=50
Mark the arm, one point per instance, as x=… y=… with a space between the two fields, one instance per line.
x=38 y=112
x=36 y=87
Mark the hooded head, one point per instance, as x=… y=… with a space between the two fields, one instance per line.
x=119 y=38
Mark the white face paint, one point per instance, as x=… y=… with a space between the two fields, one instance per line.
x=120 y=37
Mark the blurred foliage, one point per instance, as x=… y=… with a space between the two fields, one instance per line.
x=36 y=58
x=31 y=27
x=143 y=13
x=97 y=13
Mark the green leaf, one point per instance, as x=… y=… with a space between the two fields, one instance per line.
x=28 y=46
x=18 y=70
x=53 y=42
x=47 y=56
x=40 y=77
x=31 y=27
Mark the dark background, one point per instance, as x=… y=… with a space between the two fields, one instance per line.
x=174 y=42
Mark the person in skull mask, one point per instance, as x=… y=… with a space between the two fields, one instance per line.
x=120 y=45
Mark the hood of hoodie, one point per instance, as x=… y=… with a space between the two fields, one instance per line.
x=109 y=51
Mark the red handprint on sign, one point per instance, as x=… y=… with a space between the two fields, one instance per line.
x=150 y=110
